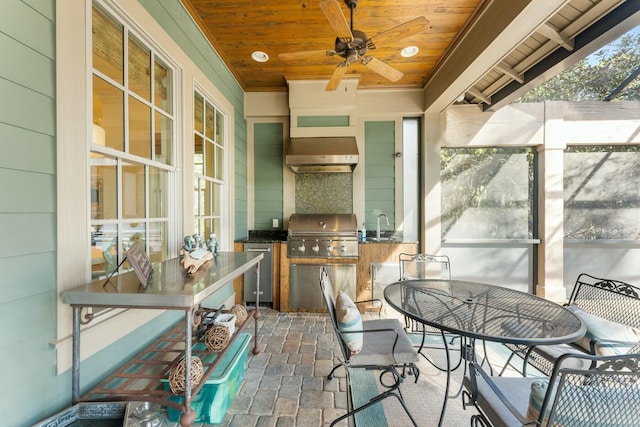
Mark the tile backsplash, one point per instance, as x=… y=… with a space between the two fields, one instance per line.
x=324 y=193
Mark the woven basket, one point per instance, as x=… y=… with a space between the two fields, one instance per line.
x=177 y=375
x=217 y=338
x=241 y=313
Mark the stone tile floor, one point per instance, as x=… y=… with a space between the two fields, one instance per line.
x=285 y=384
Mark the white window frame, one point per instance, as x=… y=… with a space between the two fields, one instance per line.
x=73 y=71
x=224 y=213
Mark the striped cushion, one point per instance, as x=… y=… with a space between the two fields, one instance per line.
x=349 y=320
x=599 y=329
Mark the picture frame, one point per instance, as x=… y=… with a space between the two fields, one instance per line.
x=140 y=262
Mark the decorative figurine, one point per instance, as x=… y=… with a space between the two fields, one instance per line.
x=212 y=244
x=189 y=244
x=198 y=243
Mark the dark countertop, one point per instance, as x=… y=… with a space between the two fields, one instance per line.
x=264 y=236
x=273 y=236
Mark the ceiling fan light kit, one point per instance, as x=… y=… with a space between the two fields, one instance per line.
x=353 y=45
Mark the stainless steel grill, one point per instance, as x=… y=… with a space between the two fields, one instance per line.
x=323 y=236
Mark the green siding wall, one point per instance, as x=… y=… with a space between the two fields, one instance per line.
x=322 y=121
x=27 y=208
x=268 y=163
x=379 y=172
x=28 y=290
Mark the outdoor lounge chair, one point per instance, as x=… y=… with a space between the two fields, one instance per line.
x=611 y=312
x=383 y=346
x=607 y=394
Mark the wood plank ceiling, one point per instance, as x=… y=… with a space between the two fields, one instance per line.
x=238 y=28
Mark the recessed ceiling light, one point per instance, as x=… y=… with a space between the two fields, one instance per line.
x=259 y=56
x=409 y=51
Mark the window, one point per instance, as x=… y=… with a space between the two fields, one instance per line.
x=411 y=178
x=208 y=166
x=131 y=154
x=595 y=209
x=487 y=193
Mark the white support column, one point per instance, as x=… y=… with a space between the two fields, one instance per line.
x=431 y=208
x=551 y=207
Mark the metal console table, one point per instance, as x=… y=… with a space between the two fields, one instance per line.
x=170 y=288
x=484 y=312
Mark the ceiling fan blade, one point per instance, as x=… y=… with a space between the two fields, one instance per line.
x=309 y=54
x=337 y=75
x=398 y=33
x=339 y=23
x=386 y=71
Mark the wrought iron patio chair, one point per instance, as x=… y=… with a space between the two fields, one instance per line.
x=385 y=348
x=609 y=300
x=605 y=394
x=426 y=266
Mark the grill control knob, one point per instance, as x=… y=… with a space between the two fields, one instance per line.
x=301 y=248
x=343 y=248
x=315 y=248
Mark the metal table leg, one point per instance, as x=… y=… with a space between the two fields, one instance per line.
x=256 y=315
x=188 y=414
x=75 y=363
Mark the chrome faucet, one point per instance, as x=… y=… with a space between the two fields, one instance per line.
x=378 y=226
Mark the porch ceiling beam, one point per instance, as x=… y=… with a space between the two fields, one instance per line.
x=500 y=27
x=620 y=20
x=551 y=33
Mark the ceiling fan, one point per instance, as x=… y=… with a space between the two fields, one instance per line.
x=352 y=45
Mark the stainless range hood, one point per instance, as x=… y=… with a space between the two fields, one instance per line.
x=322 y=154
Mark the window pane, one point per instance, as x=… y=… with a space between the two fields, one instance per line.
x=139 y=66
x=197 y=113
x=200 y=187
x=133 y=233
x=594 y=208
x=139 y=128
x=158 y=186
x=133 y=191
x=209 y=121
x=487 y=193
x=219 y=128
x=104 y=187
x=162 y=86
x=158 y=242
x=108 y=113
x=208 y=188
x=199 y=226
x=207 y=229
x=219 y=163
x=208 y=159
x=198 y=155
x=163 y=139
x=107 y=46
x=216 y=190
x=104 y=254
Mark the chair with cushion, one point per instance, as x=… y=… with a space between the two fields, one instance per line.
x=379 y=344
x=607 y=393
x=425 y=266
x=610 y=310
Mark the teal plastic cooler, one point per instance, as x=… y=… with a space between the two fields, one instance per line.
x=215 y=397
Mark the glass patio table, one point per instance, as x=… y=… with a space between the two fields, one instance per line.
x=485 y=312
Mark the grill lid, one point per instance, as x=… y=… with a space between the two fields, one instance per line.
x=323 y=224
